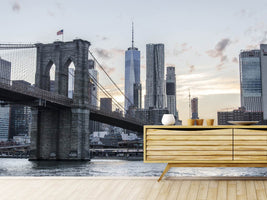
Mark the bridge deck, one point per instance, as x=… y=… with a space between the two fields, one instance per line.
x=132 y=188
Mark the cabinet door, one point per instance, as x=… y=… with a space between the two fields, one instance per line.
x=188 y=145
x=250 y=144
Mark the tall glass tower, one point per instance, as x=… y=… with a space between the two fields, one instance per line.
x=250 y=80
x=171 y=91
x=132 y=73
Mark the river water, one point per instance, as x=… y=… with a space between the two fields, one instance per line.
x=23 y=167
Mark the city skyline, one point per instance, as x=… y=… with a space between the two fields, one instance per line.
x=202 y=39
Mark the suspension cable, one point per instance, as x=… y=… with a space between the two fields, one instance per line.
x=107 y=93
x=109 y=77
x=117 y=104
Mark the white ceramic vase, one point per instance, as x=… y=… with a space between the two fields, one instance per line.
x=168 y=119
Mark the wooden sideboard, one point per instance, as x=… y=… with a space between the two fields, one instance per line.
x=206 y=146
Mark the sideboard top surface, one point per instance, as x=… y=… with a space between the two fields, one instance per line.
x=205 y=127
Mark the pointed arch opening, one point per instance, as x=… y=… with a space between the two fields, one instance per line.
x=70 y=67
x=50 y=77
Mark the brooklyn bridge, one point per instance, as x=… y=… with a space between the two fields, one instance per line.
x=60 y=124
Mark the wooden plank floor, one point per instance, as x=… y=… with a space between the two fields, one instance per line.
x=127 y=188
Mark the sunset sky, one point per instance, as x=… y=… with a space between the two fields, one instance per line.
x=202 y=38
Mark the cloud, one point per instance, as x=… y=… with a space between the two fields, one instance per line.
x=224 y=58
x=170 y=65
x=117 y=51
x=264 y=38
x=235 y=60
x=108 y=69
x=191 y=68
x=252 y=46
x=102 y=37
x=50 y=13
x=181 y=49
x=219 y=66
x=103 y=53
x=206 y=84
x=16 y=7
x=59 y=5
x=218 y=52
x=107 y=54
x=219 y=48
x=245 y=13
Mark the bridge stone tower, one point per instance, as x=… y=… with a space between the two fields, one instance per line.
x=62 y=133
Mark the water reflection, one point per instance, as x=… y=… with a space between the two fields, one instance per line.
x=23 y=167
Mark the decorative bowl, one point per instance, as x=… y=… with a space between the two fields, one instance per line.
x=168 y=119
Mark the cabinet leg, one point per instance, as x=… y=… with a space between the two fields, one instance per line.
x=165 y=171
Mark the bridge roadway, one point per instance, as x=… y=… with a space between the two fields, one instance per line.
x=36 y=97
x=15 y=146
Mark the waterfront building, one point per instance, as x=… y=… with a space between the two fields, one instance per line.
x=151 y=116
x=250 y=80
x=106 y=104
x=194 y=108
x=132 y=73
x=5 y=76
x=240 y=114
x=5 y=71
x=155 y=84
x=20 y=116
x=4 y=122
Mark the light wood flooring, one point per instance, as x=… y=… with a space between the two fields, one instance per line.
x=127 y=188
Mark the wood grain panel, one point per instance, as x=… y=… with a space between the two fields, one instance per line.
x=192 y=148
x=250 y=148
x=181 y=158
x=191 y=143
x=250 y=138
x=252 y=132
x=250 y=157
x=255 y=143
x=195 y=137
x=250 y=143
x=190 y=153
x=250 y=153
x=189 y=132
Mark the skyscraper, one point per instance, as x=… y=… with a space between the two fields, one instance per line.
x=132 y=72
x=171 y=91
x=155 y=83
x=250 y=80
x=92 y=84
x=137 y=91
x=194 y=108
x=5 y=75
x=263 y=56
